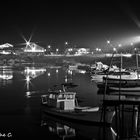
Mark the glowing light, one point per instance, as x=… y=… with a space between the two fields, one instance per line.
x=34 y=72
x=49 y=74
x=114 y=49
x=49 y=46
x=27 y=79
x=57 y=71
x=28 y=94
x=66 y=43
x=27 y=43
x=108 y=41
x=120 y=45
x=33 y=49
x=70 y=72
x=66 y=79
x=97 y=49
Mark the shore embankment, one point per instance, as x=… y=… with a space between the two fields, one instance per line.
x=127 y=62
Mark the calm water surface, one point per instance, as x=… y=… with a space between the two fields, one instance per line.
x=20 y=104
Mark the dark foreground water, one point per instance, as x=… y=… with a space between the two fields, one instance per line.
x=20 y=104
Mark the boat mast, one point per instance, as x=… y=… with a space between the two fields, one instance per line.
x=120 y=76
x=137 y=62
x=107 y=76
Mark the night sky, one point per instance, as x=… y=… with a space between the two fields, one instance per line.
x=81 y=23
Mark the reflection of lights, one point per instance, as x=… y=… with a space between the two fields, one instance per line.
x=112 y=130
x=82 y=71
x=6 y=74
x=34 y=72
x=27 y=79
x=28 y=94
x=6 y=77
x=70 y=72
x=66 y=79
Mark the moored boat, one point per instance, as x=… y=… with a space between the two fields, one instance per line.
x=98 y=77
x=125 y=89
x=63 y=104
x=123 y=85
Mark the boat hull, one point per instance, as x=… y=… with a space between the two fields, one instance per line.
x=122 y=82
x=90 y=118
x=127 y=89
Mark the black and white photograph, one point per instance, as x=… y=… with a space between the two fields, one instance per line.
x=69 y=70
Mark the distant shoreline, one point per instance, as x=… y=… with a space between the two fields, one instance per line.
x=128 y=62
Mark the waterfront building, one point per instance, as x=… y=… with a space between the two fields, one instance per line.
x=34 y=49
x=6 y=48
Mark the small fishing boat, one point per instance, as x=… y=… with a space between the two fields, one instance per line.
x=125 y=89
x=121 y=82
x=98 y=77
x=63 y=104
x=124 y=85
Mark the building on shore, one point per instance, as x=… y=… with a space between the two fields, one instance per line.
x=34 y=49
x=6 y=48
x=77 y=51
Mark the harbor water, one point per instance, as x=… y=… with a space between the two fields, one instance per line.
x=20 y=104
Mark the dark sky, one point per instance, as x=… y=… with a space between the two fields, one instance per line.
x=81 y=23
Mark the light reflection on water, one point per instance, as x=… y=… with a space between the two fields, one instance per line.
x=6 y=75
x=64 y=129
x=20 y=96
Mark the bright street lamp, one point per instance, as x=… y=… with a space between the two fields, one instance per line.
x=66 y=43
x=108 y=41
x=120 y=45
x=114 y=49
x=49 y=46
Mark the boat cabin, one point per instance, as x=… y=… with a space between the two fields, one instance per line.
x=60 y=99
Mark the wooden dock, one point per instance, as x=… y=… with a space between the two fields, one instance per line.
x=127 y=113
